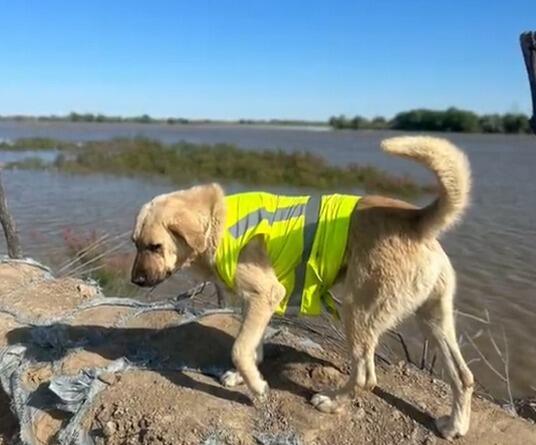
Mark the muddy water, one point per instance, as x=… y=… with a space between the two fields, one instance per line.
x=493 y=250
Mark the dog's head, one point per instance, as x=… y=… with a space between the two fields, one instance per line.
x=171 y=231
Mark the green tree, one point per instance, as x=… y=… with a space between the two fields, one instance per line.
x=491 y=123
x=515 y=123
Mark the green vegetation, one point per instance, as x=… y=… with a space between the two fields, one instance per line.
x=38 y=144
x=185 y=162
x=450 y=120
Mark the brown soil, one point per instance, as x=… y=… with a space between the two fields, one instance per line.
x=189 y=408
x=161 y=407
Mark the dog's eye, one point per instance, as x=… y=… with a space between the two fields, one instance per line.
x=154 y=247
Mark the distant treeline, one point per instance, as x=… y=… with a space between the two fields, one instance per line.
x=90 y=117
x=450 y=120
x=146 y=119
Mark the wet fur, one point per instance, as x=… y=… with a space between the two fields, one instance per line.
x=396 y=267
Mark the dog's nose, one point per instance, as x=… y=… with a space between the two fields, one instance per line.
x=139 y=280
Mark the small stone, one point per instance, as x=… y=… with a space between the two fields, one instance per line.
x=108 y=377
x=87 y=290
x=357 y=403
x=109 y=429
x=325 y=375
x=359 y=414
x=430 y=440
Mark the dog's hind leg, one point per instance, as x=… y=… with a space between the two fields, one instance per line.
x=362 y=339
x=369 y=309
x=437 y=318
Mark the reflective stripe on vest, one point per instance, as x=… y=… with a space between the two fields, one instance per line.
x=312 y=210
x=305 y=240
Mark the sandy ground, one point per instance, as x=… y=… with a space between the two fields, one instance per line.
x=168 y=407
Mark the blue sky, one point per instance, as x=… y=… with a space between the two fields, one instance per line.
x=270 y=59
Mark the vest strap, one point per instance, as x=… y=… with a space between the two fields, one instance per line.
x=312 y=211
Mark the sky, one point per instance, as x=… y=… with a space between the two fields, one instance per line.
x=262 y=59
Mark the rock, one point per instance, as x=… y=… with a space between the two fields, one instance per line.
x=326 y=375
x=109 y=428
x=108 y=378
x=359 y=414
x=87 y=290
x=430 y=440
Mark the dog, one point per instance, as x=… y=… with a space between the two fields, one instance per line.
x=395 y=266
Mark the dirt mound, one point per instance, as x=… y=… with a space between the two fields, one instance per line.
x=97 y=370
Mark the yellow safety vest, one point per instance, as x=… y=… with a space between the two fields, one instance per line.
x=305 y=238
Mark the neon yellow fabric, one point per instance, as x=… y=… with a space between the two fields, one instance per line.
x=328 y=253
x=280 y=220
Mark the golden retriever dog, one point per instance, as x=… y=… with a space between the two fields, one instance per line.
x=395 y=267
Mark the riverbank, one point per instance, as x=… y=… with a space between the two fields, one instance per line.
x=184 y=162
x=138 y=402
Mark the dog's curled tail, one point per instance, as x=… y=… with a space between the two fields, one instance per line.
x=453 y=173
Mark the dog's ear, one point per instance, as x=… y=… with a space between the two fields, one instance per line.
x=190 y=226
x=193 y=214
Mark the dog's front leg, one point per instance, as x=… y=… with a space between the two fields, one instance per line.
x=257 y=284
x=232 y=377
x=258 y=311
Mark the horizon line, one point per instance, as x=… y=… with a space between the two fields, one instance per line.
x=102 y=115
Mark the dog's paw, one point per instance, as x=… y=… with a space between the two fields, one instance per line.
x=368 y=383
x=448 y=429
x=260 y=391
x=327 y=403
x=231 y=379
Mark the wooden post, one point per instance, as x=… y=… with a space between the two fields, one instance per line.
x=8 y=224
x=528 y=46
